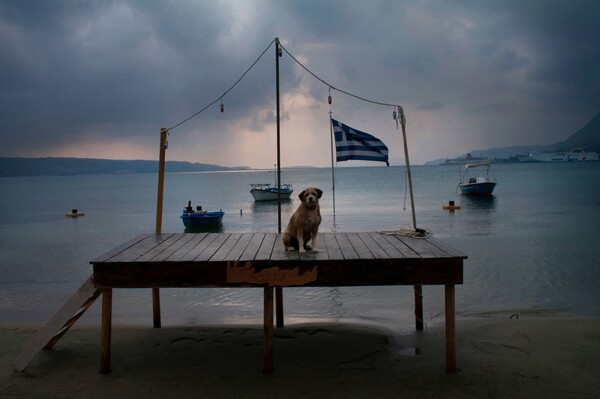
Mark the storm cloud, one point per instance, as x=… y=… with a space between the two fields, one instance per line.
x=100 y=78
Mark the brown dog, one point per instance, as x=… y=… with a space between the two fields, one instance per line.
x=304 y=223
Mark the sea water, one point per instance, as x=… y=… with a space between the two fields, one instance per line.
x=533 y=247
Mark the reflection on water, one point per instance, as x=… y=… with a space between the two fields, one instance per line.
x=478 y=214
x=483 y=203
x=270 y=206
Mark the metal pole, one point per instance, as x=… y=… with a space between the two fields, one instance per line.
x=332 y=167
x=277 y=55
x=410 y=188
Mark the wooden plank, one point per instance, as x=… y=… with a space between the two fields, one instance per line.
x=188 y=246
x=240 y=247
x=346 y=246
x=333 y=248
x=359 y=246
x=176 y=246
x=449 y=250
x=385 y=245
x=253 y=247
x=373 y=246
x=407 y=251
x=107 y=255
x=158 y=249
x=266 y=247
x=323 y=253
x=228 y=245
x=59 y=323
x=198 y=246
x=209 y=250
x=281 y=254
x=423 y=247
x=139 y=249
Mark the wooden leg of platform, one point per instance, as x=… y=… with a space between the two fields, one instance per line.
x=106 y=330
x=279 y=306
x=268 y=326
x=156 y=307
x=419 y=307
x=450 y=330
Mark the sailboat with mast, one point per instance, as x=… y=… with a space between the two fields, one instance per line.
x=271 y=192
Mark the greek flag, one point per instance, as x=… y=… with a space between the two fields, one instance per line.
x=354 y=144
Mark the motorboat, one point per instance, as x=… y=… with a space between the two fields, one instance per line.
x=269 y=192
x=470 y=184
x=201 y=218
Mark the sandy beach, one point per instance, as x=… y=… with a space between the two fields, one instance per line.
x=497 y=358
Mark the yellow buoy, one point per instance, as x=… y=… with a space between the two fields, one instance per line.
x=74 y=213
x=451 y=206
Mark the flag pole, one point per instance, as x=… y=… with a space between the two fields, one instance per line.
x=332 y=167
x=409 y=176
x=278 y=290
x=277 y=55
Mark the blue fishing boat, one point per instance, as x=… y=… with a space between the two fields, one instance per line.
x=476 y=185
x=201 y=218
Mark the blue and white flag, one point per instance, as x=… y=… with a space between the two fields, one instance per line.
x=354 y=144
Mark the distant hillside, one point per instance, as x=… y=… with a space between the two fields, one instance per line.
x=588 y=138
x=89 y=166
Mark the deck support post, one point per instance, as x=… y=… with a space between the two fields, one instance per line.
x=268 y=330
x=450 y=329
x=159 y=210
x=418 y=307
x=106 y=330
x=279 y=307
x=156 y=307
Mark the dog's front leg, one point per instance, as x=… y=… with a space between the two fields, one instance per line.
x=300 y=235
x=314 y=241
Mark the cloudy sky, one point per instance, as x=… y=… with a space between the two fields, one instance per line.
x=100 y=78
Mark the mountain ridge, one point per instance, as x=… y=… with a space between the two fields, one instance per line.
x=66 y=166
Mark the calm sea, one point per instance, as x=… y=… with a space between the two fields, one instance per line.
x=534 y=247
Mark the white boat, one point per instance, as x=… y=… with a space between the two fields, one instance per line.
x=575 y=155
x=269 y=192
x=476 y=185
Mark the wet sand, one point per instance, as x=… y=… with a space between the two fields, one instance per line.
x=496 y=357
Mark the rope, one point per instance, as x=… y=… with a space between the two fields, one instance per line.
x=227 y=91
x=333 y=87
x=220 y=98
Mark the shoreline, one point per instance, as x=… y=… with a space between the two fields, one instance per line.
x=553 y=357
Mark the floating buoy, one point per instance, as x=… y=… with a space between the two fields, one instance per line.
x=451 y=206
x=74 y=213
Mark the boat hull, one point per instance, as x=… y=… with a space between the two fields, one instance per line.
x=268 y=192
x=261 y=195
x=201 y=219
x=485 y=188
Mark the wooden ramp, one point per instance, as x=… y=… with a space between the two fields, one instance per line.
x=60 y=323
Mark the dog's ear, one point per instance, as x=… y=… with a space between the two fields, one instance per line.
x=319 y=192
x=301 y=195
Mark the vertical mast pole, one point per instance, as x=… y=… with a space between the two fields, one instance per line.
x=161 y=179
x=409 y=175
x=277 y=55
x=332 y=167
x=159 y=211
x=278 y=290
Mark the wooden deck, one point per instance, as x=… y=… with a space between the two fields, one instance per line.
x=260 y=260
